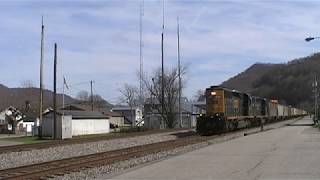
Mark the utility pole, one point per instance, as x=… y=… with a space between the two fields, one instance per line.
x=162 y=66
x=55 y=93
x=41 y=80
x=91 y=82
x=179 y=72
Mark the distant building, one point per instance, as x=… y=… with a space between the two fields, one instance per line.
x=75 y=122
x=189 y=113
x=131 y=114
x=117 y=119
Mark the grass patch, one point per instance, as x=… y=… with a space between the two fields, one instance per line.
x=112 y=134
x=25 y=140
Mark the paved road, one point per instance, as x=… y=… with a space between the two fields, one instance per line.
x=291 y=152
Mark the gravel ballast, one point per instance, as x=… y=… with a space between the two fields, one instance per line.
x=15 y=159
x=104 y=171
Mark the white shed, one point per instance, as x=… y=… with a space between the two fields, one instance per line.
x=74 y=123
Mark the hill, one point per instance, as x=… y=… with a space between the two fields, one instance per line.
x=244 y=81
x=27 y=100
x=20 y=97
x=291 y=83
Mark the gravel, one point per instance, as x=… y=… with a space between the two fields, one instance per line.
x=104 y=172
x=15 y=159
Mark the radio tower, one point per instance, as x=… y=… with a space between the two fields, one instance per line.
x=141 y=55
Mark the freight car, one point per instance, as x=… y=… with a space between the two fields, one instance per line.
x=228 y=110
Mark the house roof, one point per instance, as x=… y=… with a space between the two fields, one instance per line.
x=84 y=107
x=126 y=108
x=76 y=114
x=73 y=108
x=113 y=114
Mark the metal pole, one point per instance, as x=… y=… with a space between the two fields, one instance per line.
x=41 y=79
x=179 y=72
x=91 y=95
x=55 y=93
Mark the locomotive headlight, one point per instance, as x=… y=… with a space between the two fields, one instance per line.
x=213 y=93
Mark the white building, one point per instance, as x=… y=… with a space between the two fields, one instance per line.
x=74 y=123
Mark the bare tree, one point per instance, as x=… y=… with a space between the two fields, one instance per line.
x=167 y=106
x=199 y=96
x=130 y=96
x=83 y=95
x=28 y=93
x=27 y=84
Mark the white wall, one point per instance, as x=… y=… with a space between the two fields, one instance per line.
x=90 y=126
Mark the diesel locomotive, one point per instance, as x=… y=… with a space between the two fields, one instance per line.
x=228 y=110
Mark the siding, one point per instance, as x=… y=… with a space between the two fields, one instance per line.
x=90 y=126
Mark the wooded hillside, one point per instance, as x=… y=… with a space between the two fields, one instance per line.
x=290 y=83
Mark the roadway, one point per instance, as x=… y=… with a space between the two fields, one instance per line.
x=291 y=152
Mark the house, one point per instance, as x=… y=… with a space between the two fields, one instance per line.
x=3 y=123
x=131 y=115
x=74 y=123
x=189 y=113
x=10 y=120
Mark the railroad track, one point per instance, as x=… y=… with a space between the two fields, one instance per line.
x=60 y=167
x=54 y=143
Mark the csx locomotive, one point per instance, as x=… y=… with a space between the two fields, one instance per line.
x=228 y=110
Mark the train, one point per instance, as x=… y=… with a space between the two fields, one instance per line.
x=228 y=110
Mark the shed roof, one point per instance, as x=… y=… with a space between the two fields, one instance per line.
x=113 y=114
x=81 y=114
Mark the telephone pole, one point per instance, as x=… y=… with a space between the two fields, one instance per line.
x=91 y=82
x=41 y=80
x=55 y=93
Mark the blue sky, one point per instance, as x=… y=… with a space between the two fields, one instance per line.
x=99 y=39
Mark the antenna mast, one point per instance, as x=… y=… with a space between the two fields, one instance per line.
x=141 y=48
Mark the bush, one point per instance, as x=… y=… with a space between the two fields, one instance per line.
x=133 y=129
